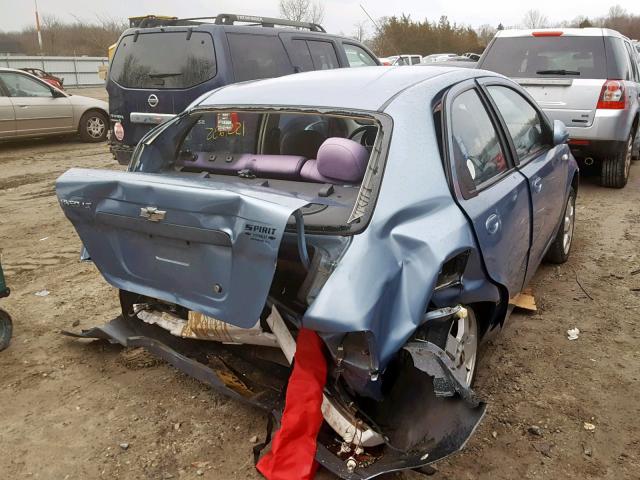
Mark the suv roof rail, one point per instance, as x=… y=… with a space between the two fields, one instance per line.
x=150 y=21
x=231 y=18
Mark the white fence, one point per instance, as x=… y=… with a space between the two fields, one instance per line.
x=76 y=71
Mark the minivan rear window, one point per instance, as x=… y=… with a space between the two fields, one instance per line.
x=556 y=56
x=164 y=60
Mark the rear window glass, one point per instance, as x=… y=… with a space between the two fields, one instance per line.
x=258 y=56
x=301 y=55
x=323 y=55
x=547 y=57
x=164 y=60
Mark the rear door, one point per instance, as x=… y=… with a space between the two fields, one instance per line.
x=7 y=117
x=490 y=190
x=546 y=167
x=633 y=85
x=37 y=110
x=563 y=73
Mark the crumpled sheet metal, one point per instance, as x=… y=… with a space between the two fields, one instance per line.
x=453 y=420
x=391 y=268
x=131 y=332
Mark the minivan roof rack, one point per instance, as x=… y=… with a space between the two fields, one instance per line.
x=150 y=21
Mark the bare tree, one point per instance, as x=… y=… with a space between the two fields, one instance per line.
x=485 y=33
x=616 y=12
x=360 y=31
x=534 y=19
x=302 y=10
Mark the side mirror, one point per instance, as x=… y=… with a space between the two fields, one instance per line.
x=57 y=93
x=560 y=133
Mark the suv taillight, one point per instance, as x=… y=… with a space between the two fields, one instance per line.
x=612 y=96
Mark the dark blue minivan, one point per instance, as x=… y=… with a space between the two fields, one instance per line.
x=160 y=66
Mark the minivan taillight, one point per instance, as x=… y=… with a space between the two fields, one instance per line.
x=612 y=96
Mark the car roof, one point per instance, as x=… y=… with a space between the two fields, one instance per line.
x=569 y=32
x=364 y=88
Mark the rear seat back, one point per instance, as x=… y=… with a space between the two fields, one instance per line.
x=339 y=161
x=276 y=166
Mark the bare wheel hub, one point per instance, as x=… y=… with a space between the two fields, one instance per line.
x=462 y=344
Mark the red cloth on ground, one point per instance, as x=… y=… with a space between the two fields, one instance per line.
x=293 y=450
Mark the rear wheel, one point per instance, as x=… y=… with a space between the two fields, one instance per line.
x=93 y=126
x=6 y=328
x=561 y=247
x=458 y=337
x=615 y=168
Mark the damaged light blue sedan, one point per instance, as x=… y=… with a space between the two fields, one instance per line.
x=394 y=211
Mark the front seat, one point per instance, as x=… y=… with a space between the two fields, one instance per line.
x=297 y=139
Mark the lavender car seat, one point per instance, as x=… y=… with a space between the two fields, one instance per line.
x=275 y=166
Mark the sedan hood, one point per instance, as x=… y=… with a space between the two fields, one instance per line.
x=207 y=246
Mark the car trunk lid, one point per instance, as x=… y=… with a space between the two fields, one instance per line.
x=571 y=100
x=208 y=246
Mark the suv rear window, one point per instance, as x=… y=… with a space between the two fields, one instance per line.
x=258 y=56
x=532 y=56
x=164 y=60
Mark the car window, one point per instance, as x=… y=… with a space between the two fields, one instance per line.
x=415 y=59
x=22 y=86
x=358 y=57
x=523 y=121
x=163 y=60
x=323 y=55
x=301 y=55
x=634 y=62
x=476 y=147
x=545 y=56
x=258 y=56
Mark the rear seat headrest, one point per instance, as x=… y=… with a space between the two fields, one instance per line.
x=342 y=159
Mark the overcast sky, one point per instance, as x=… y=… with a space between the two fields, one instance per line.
x=340 y=15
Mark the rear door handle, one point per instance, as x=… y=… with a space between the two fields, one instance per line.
x=493 y=223
x=537 y=185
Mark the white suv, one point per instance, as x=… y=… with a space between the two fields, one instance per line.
x=586 y=77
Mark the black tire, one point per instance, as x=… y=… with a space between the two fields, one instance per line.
x=615 y=168
x=438 y=332
x=94 y=126
x=635 y=155
x=6 y=329
x=559 y=250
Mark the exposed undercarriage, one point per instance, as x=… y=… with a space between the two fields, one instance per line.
x=423 y=410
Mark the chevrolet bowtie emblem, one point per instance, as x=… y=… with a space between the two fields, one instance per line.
x=152 y=214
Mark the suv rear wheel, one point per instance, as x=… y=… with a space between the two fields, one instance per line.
x=615 y=169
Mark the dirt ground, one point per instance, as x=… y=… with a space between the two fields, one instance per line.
x=84 y=410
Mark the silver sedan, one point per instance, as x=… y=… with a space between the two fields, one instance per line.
x=30 y=107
